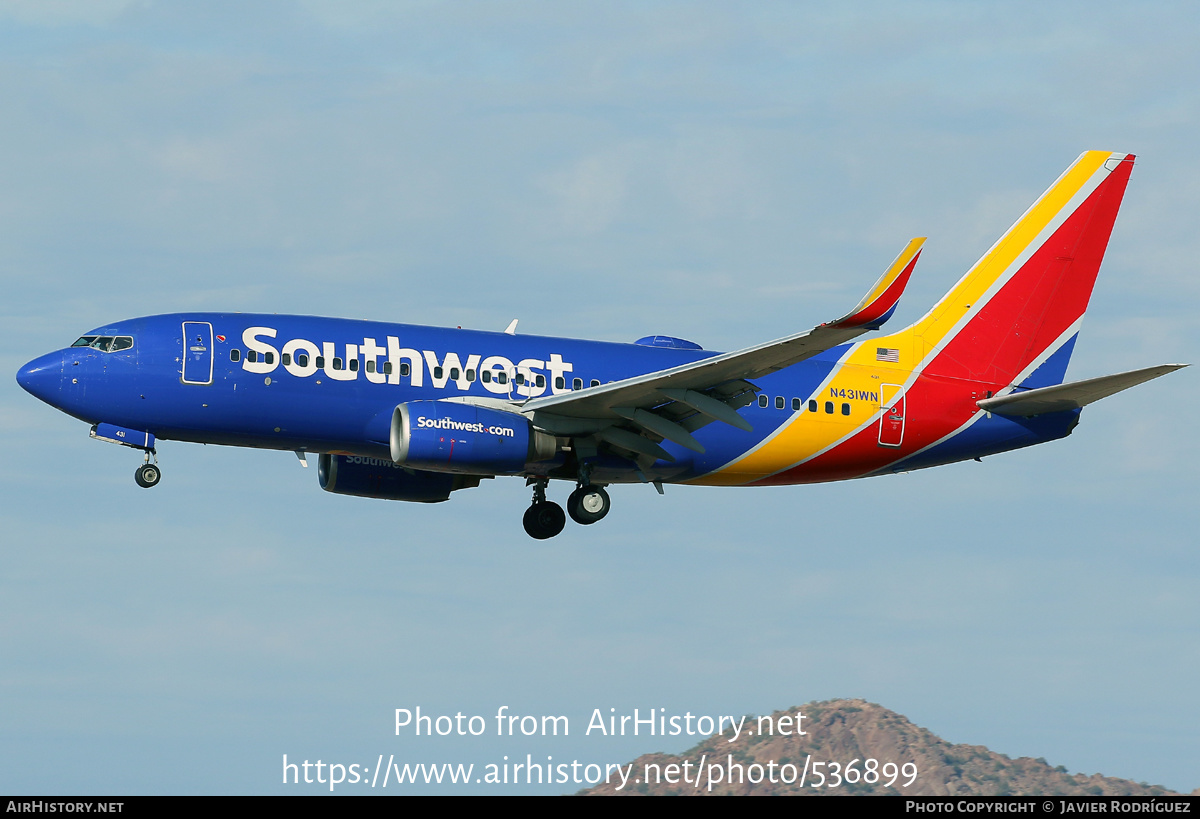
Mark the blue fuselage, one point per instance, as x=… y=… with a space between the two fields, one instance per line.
x=331 y=385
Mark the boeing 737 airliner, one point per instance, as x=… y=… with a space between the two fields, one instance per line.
x=414 y=413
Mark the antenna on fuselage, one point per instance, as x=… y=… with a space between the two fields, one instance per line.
x=511 y=329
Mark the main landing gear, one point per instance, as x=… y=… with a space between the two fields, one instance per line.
x=588 y=504
x=148 y=474
x=545 y=519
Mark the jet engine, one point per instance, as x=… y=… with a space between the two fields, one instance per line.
x=449 y=436
x=380 y=478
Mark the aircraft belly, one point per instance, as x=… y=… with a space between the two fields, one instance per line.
x=289 y=443
x=241 y=409
x=990 y=434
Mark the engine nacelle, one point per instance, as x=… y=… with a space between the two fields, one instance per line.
x=380 y=478
x=448 y=436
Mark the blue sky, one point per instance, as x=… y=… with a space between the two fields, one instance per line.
x=719 y=172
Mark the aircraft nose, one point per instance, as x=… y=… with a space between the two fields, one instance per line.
x=42 y=377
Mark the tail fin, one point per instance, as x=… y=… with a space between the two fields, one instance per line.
x=1018 y=310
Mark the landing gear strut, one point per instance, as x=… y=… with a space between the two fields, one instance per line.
x=543 y=519
x=148 y=474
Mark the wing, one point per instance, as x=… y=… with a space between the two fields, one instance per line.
x=672 y=403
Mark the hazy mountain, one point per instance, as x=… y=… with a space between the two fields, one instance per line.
x=848 y=733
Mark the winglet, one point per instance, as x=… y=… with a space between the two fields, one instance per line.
x=881 y=300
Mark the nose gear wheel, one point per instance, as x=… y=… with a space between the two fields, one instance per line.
x=147 y=475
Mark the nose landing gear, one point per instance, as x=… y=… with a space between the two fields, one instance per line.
x=148 y=474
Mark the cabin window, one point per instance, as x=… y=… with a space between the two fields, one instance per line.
x=486 y=376
x=437 y=372
x=762 y=400
x=387 y=368
x=829 y=408
x=560 y=383
x=370 y=365
x=454 y=373
x=252 y=356
x=337 y=363
x=285 y=359
x=795 y=405
x=520 y=379
x=470 y=376
x=302 y=359
x=595 y=383
x=320 y=362
x=845 y=409
x=577 y=384
x=404 y=369
x=270 y=358
x=779 y=402
x=540 y=381
x=354 y=365
x=812 y=406
x=235 y=355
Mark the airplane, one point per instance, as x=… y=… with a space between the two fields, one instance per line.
x=415 y=413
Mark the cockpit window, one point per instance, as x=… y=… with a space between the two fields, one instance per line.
x=105 y=344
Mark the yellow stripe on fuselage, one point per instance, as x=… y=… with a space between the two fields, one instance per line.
x=808 y=434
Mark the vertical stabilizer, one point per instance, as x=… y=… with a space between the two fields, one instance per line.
x=1017 y=311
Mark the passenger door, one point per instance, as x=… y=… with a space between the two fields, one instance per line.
x=197 y=352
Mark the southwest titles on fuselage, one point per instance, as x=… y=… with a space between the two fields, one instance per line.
x=527 y=378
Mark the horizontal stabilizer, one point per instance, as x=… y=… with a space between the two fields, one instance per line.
x=1071 y=396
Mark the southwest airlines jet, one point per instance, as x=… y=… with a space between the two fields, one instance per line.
x=413 y=413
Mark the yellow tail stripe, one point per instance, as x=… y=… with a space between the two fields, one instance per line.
x=807 y=434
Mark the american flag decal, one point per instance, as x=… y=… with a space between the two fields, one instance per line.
x=887 y=354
